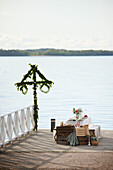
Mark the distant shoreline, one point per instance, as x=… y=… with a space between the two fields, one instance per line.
x=54 y=52
x=58 y=56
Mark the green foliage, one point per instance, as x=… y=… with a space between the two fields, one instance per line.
x=13 y=53
x=54 y=52
x=23 y=86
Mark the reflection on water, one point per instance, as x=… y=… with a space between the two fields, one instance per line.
x=85 y=82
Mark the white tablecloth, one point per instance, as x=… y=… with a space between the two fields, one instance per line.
x=86 y=121
x=97 y=129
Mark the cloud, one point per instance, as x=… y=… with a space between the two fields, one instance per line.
x=31 y=42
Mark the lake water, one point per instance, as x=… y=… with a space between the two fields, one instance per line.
x=85 y=82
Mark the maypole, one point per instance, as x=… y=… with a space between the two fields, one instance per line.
x=23 y=87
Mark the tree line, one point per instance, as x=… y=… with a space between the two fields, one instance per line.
x=54 y=52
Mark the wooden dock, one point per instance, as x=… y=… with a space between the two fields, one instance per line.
x=38 y=150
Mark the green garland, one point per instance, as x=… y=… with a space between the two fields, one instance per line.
x=23 y=87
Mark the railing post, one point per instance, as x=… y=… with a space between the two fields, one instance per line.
x=28 y=119
x=9 y=127
x=16 y=124
x=3 y=132
x=32 y=119
x=22 y=121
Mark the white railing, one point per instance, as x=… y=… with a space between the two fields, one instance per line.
x=16 y=124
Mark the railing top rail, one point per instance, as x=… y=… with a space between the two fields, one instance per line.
x=14 y=111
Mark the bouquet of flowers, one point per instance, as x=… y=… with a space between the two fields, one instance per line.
x=78 y=112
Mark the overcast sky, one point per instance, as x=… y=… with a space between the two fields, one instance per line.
x=67 y=24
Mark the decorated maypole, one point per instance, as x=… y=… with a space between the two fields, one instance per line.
x=23 y=87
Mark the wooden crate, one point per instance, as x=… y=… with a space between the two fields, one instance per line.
x=81 y=135
x=64 y=130
x=83 y=140
x=62 y=133
x=80 y=131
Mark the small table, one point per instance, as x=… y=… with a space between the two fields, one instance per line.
x=96 y=129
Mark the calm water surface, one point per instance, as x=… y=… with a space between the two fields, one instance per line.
x=85 y=82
